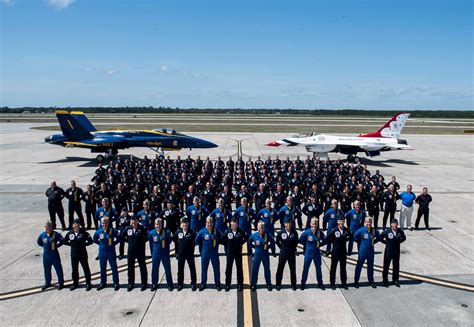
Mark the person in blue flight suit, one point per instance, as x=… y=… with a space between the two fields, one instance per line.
x=107 y=237
x=246 y=216
x=269 y=217
x=261 y=242
x=147 y=217
x=160 y=238
x=313 y=238
x=392 y=238
x=221 y=216
x=366 y=237
x=355 y=220
x=196 y=215
x=50 y=240
x=330 y=218
x=106 y=210
x=209 y=238
x=287 y=212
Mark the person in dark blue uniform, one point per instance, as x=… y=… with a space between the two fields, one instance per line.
x=392 y=238
x=107 y=238
x=330 y=217
x=50 y=241
x=313 y=238
x=160 y=238
x=233 y=239
x=55 y=196
x=338 y=236
x=366 y=237
x=184 y=248
x=287 y=241
x=209 y=239
x=136 y=236
x=78 y=239
x=74 y=195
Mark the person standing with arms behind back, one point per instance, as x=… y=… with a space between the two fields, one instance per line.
x=423 y=201
x=233 y=239
x=136 y=236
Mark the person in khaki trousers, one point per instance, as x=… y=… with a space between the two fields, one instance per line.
x=408 y=197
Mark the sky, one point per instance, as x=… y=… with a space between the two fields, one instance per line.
x=331 y=54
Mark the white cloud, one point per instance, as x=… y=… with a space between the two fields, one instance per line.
x=7 y=2
x=60 y=4
x=164 y=68
x=87 y=69
x=111 y=72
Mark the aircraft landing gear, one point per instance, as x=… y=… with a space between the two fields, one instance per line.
x=100 y=158
x=110 y=153
x=353 y=158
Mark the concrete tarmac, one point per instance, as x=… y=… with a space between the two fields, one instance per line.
x=445 y=164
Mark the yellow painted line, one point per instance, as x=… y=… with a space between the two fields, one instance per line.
x=247 y=295
x=421 y=278
x=94 y=276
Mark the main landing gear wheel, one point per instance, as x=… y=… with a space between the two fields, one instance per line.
x=353 y=158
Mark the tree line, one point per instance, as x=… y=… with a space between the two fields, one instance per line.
x=309 y=112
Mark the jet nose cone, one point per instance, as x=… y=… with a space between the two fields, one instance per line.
x=274 y=143
x=210 y=144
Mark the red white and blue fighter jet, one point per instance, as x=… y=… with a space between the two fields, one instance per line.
x=387 y=138
x=78 y=131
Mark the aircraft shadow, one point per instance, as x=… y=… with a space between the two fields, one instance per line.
x=386 y=163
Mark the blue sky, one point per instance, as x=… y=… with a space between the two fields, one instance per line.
x=376 y=54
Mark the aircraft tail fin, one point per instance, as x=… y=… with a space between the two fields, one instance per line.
x=75 y=126
x=393 y=128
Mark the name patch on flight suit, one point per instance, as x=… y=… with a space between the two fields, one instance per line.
x=310 y=238
x=241 y=214
x=45 y=240
x=167 y=213
x=122 y=220
x=366 y=236
x=257 y=242
x=101 y=236
x=265 y=215
x=193 y=212
x=155 y=238
x=310 y=208
x=206 y=237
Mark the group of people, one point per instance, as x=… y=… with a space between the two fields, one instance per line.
x=191 y=203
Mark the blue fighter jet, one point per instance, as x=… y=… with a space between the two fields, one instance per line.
x=78 y=131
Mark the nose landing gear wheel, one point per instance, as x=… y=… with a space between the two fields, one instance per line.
x=100 y=158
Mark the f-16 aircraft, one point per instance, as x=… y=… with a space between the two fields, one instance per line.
x=78 y=131
x=387 y=138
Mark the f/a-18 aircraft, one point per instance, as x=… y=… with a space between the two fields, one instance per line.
x=78 y=131
x=387 y=138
